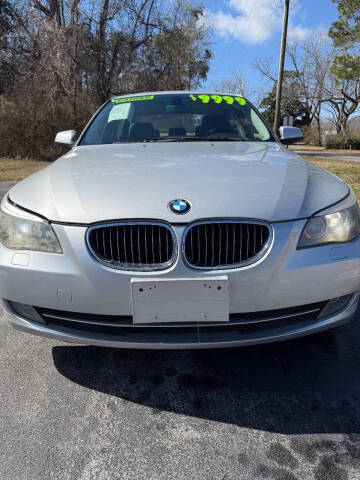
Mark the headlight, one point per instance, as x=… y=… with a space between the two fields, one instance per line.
x=337 y=227
x=22 y=231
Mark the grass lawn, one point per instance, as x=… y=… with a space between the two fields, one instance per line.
x=305 y=147
x=17 y=169
x=349 y=171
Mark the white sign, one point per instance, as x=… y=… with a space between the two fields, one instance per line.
x=119 y=112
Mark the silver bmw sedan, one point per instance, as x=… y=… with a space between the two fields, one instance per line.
x=179 y=220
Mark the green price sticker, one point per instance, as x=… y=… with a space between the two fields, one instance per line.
x=240 y=100
x=132 y=99
x=218 y=99
x=204 y=98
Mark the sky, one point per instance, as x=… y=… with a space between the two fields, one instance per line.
x=244 y=30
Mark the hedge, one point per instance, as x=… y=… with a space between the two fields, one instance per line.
x=340 y=142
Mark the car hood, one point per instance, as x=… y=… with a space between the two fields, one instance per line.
x=137 y=181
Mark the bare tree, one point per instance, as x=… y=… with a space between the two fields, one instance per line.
x=67 y=56
x=312 y=68
x=307 y=80
x=342 y=102
x=177 y=56
x=234 y=82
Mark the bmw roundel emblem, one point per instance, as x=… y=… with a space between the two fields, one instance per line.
x=179 y=206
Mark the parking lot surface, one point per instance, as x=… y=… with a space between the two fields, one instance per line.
x=347 y=156
x=286 y=411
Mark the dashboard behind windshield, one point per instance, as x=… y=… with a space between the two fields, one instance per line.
x=176 y=117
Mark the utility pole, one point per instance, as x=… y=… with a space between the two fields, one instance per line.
x=281 y=66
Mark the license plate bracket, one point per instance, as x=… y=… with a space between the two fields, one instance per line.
x=180 y=300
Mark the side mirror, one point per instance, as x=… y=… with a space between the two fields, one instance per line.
x=66 y=138
x=289 y=135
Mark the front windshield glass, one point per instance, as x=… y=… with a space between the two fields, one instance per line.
x=176 y=117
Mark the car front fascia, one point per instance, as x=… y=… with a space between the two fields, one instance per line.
x=285 y=277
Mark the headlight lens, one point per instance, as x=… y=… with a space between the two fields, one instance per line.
x=337 y=227
x=19 y=233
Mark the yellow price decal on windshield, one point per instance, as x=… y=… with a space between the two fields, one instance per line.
x=240 y=100
x=218 y=99
x=132 y=99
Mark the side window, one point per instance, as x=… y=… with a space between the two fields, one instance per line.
x=110 y=125
x=94 y=133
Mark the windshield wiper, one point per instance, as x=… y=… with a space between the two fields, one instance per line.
x=160 y=139
x=149 y=140
x=186 y=139
x=210 y=139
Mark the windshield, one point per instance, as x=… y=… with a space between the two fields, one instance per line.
x=176 y=117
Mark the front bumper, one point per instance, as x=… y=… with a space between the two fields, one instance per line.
x=283 y=279
x=178 y=337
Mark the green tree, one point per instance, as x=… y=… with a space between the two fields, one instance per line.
x=290 y=105
x=345 y=33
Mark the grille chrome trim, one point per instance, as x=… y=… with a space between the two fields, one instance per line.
x=253 y=259
x=127 y=321
x=129 y=264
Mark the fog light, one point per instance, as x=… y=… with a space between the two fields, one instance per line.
x=27 y=311
x=335 y=305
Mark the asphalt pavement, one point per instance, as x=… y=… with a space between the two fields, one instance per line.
x=350 y=157
x=4 y=187
x=286 y=411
